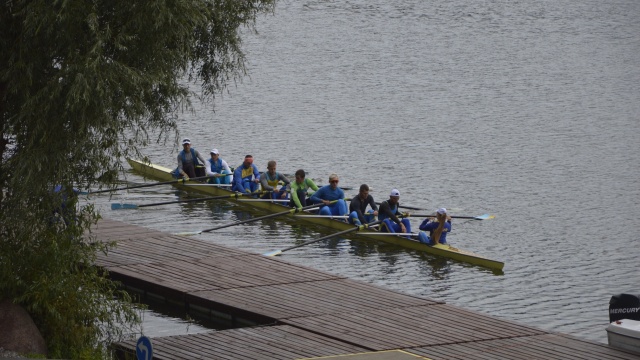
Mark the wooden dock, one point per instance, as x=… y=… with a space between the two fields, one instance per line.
x=279 y=310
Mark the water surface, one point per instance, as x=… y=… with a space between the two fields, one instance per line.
x=525 y=110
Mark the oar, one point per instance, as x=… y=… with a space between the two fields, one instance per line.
x=354 y=229
x=264 y=200
x=117 y=206
x=323 y=216
x=210 y=185
x=405 y=207
x=386 y=233
x=155 y=184
x=292 y=211
x=480 y=217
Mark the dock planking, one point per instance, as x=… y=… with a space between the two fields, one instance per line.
x=273 y=342
x=310 y=298
x=312 y=313
x=543 y=346
x=395 y=328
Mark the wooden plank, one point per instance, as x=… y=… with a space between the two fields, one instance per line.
x=386 y=329
x=545 y=346
x=159 y=249
x=274 y=342
x=301 y=299
x=196 y=275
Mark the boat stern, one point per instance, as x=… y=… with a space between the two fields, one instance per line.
x=625 y=335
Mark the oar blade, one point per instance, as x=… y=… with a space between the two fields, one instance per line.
x=117 y=206
x=273 y=253
x=484 y=217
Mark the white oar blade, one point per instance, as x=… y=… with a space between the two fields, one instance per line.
x=484 y=217
x=123 y=206
x=273 y=253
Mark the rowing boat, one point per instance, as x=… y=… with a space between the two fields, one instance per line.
x=161 y=173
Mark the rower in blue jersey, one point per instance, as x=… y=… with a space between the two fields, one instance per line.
x=217 y=166
x=246 y=177
x=327 y=194
x=269 y=181
x=437 y=228
x=188 y=164
x=388 y=215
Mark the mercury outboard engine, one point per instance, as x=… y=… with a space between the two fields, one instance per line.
x=624 y=306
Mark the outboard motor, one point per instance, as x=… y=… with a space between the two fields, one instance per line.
x=624 y=306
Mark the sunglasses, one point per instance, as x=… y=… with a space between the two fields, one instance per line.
x=334 y=181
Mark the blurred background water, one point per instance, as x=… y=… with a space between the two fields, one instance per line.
x=527 y=110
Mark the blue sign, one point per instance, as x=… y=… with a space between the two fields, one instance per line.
x=144 y=351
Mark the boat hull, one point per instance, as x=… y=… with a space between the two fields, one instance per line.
x=624 y=334
x=161 y=173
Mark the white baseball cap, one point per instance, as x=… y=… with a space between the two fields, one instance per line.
x=442 y=211
x=186 y=141
x=395 y=192
x=215 y=151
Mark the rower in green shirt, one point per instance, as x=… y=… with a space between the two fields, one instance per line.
x=299 y=190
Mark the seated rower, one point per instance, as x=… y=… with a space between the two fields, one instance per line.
x=246 y=177
x=216 y=166
x=188 y=165
x=357 y=209
x=437 y=228
x=388 y=215
x=269 y=181
x=329 y=193
x=300 y=190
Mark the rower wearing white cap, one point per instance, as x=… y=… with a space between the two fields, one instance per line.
x=437 y=228
x=188 y=165
x=388 y=215
x=216 y=165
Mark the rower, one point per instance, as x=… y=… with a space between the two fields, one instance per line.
x=300 y=190
x=246 y=177
x=388 y=215
x=269 y=181
x=327 y=194
x=217 y=165
x=357 y=209
x=188 y=165
x=437 y=228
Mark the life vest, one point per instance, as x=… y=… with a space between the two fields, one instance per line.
x=382 y=216
x=247 y=172
x=216 y=166
x=193 y=156
x=272 y=182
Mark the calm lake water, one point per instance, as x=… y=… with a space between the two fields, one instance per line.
x=527 y=110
